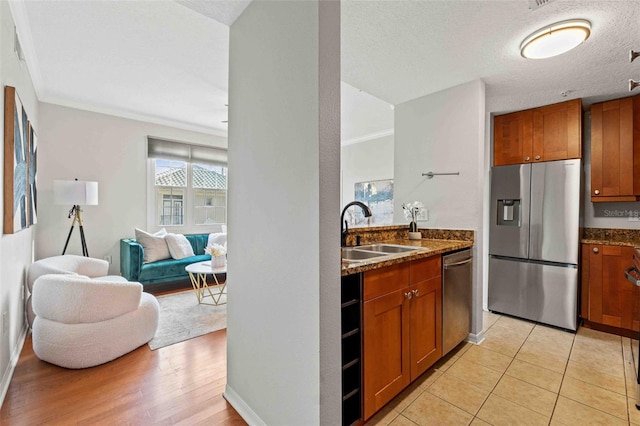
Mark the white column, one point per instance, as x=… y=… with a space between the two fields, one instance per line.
x=284 y=270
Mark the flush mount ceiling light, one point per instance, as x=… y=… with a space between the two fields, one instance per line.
x=555 y=39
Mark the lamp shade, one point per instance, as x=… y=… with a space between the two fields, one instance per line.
x=75 y=192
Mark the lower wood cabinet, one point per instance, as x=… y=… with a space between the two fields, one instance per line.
x=607 y=298
x=402 y=323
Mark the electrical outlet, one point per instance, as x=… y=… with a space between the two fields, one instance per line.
x=424 y=215
x=5 y=323
x=108 y=259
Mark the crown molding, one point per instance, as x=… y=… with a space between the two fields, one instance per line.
x=131 y=115
x=370 y=136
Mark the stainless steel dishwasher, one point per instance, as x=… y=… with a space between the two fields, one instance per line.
x=456 y=298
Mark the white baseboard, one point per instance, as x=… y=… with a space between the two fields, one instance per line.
x=242 y=408
x=8 y=374
x=476 y=339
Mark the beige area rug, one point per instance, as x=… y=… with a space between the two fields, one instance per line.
x=183 y=318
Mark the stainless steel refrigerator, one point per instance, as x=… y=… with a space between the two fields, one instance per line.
x=534 y=241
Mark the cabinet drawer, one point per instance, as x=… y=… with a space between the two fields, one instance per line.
x=385 y=280
x=424 y=269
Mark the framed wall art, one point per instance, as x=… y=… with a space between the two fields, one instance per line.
x=378 y=196
x=16 y=154
x=32 y=173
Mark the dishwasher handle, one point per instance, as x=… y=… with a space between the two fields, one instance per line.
x=456 y=264
x=630 y=277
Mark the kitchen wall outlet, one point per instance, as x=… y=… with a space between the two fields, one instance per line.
x=424 y=215
x=108 y=259
x=5 y=323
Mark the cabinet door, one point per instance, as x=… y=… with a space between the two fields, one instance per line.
x=426 y=325
x=513 y=138
x=386 y=349
x=425 y=278
x=612 y=149
x=612 y=299
x=557 y=131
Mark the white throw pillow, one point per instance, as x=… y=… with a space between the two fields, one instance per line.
x=217 y=238
x=154 y=245
x=179 y=246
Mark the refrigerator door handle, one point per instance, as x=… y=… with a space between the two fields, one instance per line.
x=631 y=278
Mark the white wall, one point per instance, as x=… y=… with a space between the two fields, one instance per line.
x=80 y=144
x=283 y=343
x=445 y=132
x=365 y=161
x=15 y=249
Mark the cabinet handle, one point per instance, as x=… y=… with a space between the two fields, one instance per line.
x=527 y=158
x=595 y=249
x=408 y=295
x=537 y=157
x=597 y=192
x=415 y=292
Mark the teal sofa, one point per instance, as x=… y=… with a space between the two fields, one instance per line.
x=161 y=271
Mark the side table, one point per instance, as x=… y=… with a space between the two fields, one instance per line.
x=198 y=274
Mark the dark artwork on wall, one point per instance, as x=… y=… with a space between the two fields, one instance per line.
x=33 y=174
x=17 y=155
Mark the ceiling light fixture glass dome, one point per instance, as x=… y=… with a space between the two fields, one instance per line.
x=555 y=39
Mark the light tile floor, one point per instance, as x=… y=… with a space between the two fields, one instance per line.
x=524 y=374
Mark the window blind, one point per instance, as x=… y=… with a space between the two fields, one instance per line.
x=179 y=151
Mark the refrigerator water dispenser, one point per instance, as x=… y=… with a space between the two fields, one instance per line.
x=509 y=212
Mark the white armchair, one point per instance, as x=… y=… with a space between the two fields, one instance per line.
x=82 y=322
x=69 y=264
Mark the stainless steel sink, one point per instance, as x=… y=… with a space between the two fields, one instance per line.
x=353 y=254
x=388 y=248
x=375 y=252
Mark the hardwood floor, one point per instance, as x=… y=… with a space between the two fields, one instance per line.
x=177 y=384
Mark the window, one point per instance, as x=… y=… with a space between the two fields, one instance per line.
x=210 y=194
x=170 y=190
x=189 y=188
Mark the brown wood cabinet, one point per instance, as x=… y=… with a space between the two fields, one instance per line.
x=513 y=138
x=615 y=150
x=552 y=132
x=607 y=298
x=402 y=328
x=425 y=327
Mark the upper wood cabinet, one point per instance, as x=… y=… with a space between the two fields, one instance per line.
x=547 y=133
x=513 y=140
x=615 y=150
x=607 y=297
x=557 y=131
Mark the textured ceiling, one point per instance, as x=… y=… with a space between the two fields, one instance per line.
x=167 y=61
x=399 y=51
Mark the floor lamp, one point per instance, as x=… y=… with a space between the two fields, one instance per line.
x=76 y=193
